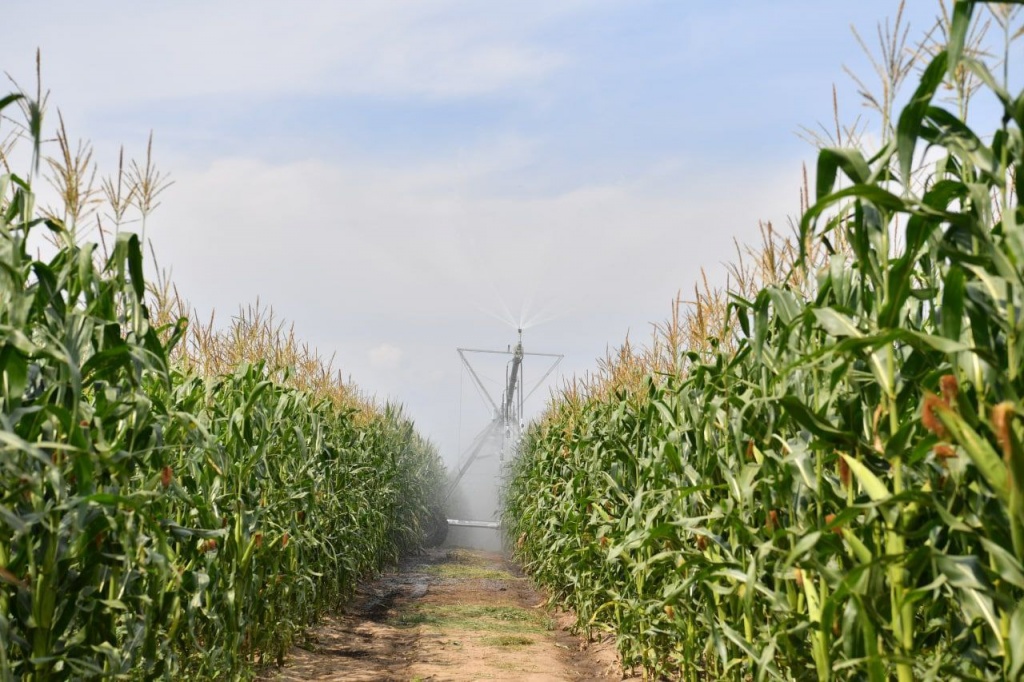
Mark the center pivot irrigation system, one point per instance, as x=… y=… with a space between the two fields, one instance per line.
x=503 y=433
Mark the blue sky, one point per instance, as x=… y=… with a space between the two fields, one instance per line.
x=392 y=175
x=603 y=85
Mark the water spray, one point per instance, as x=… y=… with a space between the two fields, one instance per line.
x=503 y=433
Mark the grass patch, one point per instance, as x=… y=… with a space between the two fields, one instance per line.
x=415 y=618
x=504 y=619
x=462 y=556
x=515 y=641
x=466 y=571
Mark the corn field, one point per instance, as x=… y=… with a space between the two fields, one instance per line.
x=831 y=484
x=167 y=508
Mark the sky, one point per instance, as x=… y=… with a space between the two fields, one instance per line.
x=402 y=178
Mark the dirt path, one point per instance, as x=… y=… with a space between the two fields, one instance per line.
x=449 y=615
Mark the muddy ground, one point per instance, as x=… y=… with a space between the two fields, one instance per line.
x=448 y=615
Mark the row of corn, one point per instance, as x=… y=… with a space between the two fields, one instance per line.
x=156 y=522
x=838 y=491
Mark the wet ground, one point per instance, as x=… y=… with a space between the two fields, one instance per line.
x=448 y=615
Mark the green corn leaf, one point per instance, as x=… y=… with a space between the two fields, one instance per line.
x=738 y=640
x=867 y=192
x=785 y=303
x=135 y=265
x=981 y=453
x=1005 y=564
x=830 y=160
x=967 y=575
x=961 y=21
x=858 y=548
x=981 y=70
x=835 y=323
x=909 y=126
x=872 y=485
x=1015 y=645
x=931 y=341
x=801 y=548
x=813 y=422
x=813 y=602
x=15 y=372
x=107 y=362
x=952 y=311
x=10 y=99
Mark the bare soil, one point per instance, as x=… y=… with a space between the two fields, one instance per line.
x=449 y=615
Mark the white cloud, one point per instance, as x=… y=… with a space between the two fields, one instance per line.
x=385 y=357
x=364 y=240
x=426 y=256
x=195 y=49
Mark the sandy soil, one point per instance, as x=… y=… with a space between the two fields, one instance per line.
x=449 y=615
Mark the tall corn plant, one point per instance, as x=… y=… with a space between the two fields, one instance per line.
x=155 y=522
x=838 y=495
